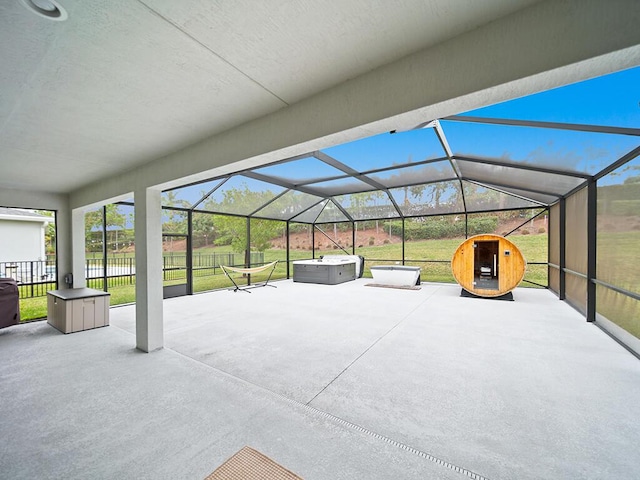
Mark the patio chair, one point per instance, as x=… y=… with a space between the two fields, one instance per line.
x=249 y=271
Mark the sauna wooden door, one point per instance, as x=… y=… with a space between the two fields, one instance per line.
x=488 y=265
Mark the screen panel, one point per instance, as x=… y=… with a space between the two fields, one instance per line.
x=433 y=241
x=300 y=242
x=411 y=175
x=331 y=213
x=532 y=239
x=478 y=198
x=189 y=196
x=565 y=150
x=379 y=241
x=533 y=196
x=388 y=149
x=367 y=205
x=311 y=215
x=339 y=187
x=174 y=221
x=576 y=292
x=304 y=170
x=576 y=250
x=554 y=280
x=554 y=247
x=620 y=309
x=241 y=196
x=605 y=100
x=576 y=232
x=333 y=239
x=554 y=234
x=429 y=199
x=288 y=205
x=526 y=180
x=618 y=237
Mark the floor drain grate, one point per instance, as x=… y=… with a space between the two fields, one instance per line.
x=347 y=424
x=395 y=443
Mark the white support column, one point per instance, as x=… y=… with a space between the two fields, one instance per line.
x=148 y=241
x=64 y=243
x=78 y=257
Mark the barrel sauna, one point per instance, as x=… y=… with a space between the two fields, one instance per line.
x=488 y=265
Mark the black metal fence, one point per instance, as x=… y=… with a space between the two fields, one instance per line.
x=204 y=264
x=119 y=271
x=36 y=277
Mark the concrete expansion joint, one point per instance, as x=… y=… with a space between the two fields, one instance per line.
x=340 y=421
x=369 y=348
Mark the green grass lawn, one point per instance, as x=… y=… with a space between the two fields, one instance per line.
x=619 y=259
x=420 y=253
x=618 y=264
x=620 y=309
x=33 y=308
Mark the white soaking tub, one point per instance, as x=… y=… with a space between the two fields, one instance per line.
x=396 y=275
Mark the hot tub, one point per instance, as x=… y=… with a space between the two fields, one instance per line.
x=397 y=275
x=328 y=272
x=358 y=259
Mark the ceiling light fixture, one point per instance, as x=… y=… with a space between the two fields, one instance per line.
x=46 y=8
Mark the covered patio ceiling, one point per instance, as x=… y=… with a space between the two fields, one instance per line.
x=475 y=162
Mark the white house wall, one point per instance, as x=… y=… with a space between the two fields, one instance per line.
x=21 y=241
x=47 y=201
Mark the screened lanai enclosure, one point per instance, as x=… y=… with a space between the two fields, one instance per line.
x=560 y=179
x=399 y=197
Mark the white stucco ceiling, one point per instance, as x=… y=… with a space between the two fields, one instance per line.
x=123 y=82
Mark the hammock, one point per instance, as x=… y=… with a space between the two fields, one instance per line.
x=250 y=271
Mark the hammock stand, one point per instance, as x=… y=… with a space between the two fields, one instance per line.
x=249 y=271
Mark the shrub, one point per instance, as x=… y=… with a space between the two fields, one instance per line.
x=372 y=241
x=624 y=207
x=542 y=230
x=524 y=232
x=386 y=241
x=435 y=228
x=479 y=225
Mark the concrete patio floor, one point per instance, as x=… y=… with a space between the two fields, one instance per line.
x=333 y=382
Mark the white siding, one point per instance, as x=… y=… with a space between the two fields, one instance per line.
x=21 y=241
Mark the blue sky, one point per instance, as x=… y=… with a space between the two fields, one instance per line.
x=611 y=100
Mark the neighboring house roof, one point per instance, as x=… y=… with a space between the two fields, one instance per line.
x=17 y=214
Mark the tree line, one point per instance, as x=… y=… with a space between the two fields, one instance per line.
x=230 y=229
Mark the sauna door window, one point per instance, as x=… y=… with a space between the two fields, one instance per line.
x=485 y=265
